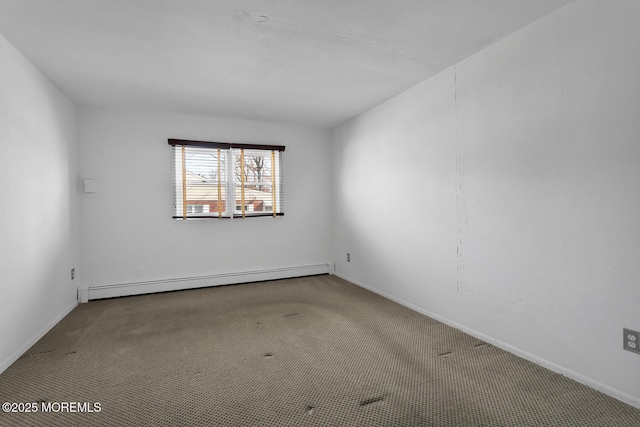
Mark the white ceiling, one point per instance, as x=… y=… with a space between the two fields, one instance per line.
x=314 y=62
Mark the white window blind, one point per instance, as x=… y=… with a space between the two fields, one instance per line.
x=226 y=180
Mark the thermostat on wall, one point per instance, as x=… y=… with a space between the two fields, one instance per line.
x=91 y=185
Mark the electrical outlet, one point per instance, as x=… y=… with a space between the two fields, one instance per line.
x=73 y=273
x=631 y=340
x=348 y=257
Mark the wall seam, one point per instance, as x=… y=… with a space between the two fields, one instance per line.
x=458 y=182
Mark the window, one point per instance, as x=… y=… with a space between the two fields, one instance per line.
x=197 y=208
x=226 y=180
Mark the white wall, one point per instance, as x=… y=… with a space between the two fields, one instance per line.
x=38 y=204
x=507 y=202
x=128 y=235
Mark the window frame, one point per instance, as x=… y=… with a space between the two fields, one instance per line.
x=228 y=151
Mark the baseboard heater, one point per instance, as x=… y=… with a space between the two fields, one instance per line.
x=92 y=292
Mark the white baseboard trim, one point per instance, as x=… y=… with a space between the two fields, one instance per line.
x=93 y=292
x=616 y=394
x=34 y=339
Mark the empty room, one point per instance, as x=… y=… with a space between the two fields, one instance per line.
x=323 y=213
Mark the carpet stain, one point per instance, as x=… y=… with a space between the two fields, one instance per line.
x=372 y=400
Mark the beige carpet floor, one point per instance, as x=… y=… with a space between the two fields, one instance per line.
x=314 y=351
